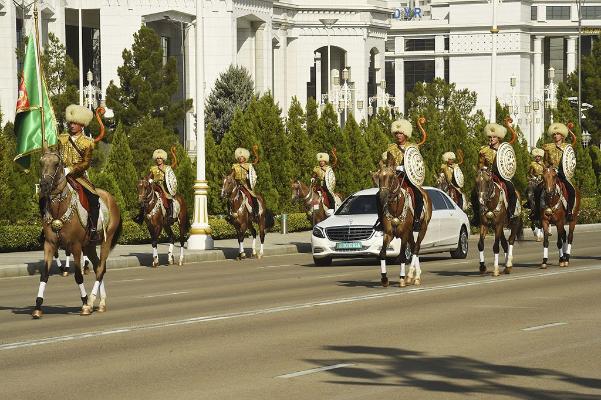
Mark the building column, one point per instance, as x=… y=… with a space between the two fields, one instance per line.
x=284 y=63
x=260 y=59
x=538 y=79
x=439 y=59
x=571 y=54
x=317 y=57
x=8 y=68
x=399 y=74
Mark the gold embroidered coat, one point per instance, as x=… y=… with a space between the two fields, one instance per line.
x=398 y=152
x=320 y=173
x=553 y=154
x=536 y=170
x=77 y=163
x=487 y=157
x=158 y=176
x=240 y=171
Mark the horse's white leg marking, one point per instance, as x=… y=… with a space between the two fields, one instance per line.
x=82 y=290
x=170 y=248
x=67 y=261
x=482 y=256
x=383 y=266
x=155 y=252
x=254 y=246
x=402 y=270
x=418 y=272
x=560 y=252
x=41 y=289
x=241 y=244
x=93 y=294
x=545 y=252
x=509 y=257
x=496 y=260
x=58 y=261
x=102 y=290
x=170 y=254
x=569 y=249
x=261 y=248
x=181 y=255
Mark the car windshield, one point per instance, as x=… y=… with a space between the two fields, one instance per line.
x=358 y=205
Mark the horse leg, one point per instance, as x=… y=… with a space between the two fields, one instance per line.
x=86 y=265
x=504 y=246
x=403 y=260
x=155 y=252
x=241 y=253
x=88 y=305
x=416 y=249
x=545 y=227
x=383 y=273
x=253 y=232
x=170 y=258
x=570 y=238
x=44 y=274
x=99 y=269
x=495 y=248
x=561 y=240
x=481 y=249
x=261 y=234
x=77 y=253
x=183 y=224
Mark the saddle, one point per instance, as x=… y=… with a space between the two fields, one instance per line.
x=162 y=195
x=409 y=190
x=83 y=199
x=562 y=187
x=499 y=182
x=324 y=196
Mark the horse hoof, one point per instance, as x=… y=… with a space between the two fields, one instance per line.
x=543 y=266
x=507 y=270
x=563 y=264
x=86 y=310
x=102 y=308
x=86 y=270
x=483 y=271
x=65 y=273
x=402 y=282
x=171 y=259
x=417 y=282
x=37 y=314
x=496 y=272
x=384 y=282
x=259 y=256
x=181 y=262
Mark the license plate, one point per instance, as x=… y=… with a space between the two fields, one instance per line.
x=348 y=246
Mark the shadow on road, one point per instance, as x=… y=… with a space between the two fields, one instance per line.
x=47 y=310
x=386 y=366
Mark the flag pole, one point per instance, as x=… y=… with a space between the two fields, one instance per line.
x=38 y=65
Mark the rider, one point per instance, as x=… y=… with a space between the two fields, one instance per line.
x=401 y=129
x=447 y=170
x=319 y=174
x=487 y=155
x=75 y=149
x=535 y=175
x=553 y=158
x=157 y=176
x=241 y=171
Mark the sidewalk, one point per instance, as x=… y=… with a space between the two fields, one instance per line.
x=127 y=256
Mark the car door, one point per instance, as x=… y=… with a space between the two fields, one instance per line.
x=442 y=214
x=432 y=234
x=453 y=224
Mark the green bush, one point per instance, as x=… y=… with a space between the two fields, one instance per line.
x=20 y=238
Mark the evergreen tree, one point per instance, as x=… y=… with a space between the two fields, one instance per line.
x=233 y=90
x=595 y=155
x=360 y=161
x=147 y=86
x=106 y=181
x=120 y=165
x=145 y=137
x=215 y=172
x=377 y=140
x=61 y=76
x=303 y=154
x=312 y=121
x=185 y=172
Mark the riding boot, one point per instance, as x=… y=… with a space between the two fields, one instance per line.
x=138 y=219
x=419 y=206
x=255 y=208
x=93 y=200
x=511 y=201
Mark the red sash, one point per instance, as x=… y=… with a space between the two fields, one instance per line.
x=83 y=199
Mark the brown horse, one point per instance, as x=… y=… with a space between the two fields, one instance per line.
x=452 y=191
x=156 y=220
x=62 y=228
x=493 y=211
x=395 y=213
x=312 y=202
x=242 y=218
x=553 y=211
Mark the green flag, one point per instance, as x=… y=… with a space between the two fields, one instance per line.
x=28 y=121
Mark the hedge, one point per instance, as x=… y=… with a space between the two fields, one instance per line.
x=25 y=237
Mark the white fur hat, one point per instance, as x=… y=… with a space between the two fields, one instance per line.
x=323 y=157
x=449 y=155
x=159 y=153
x=401 y=125
x=78 y=114
x=242 y=152
x=538 y=152
x=558 y=127
x=495 y=130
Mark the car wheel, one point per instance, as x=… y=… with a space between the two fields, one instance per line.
x=462 y=245
x=322 y=262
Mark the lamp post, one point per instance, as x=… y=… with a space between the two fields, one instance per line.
x=551 y=94
x=586 y=138
x=345 y=78
x=200 y=233
x=328 y=23
x=90 y=91
x=579 y=8
x=493 y=60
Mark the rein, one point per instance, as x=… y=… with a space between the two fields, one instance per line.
x=489 y=197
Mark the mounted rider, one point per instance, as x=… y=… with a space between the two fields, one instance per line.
x=553 y=157
x=244 y=173
x=487 y=160
x=75 y=149
x=402 y=130
x=324 y=180
x=535 y=178
x=158 y=176
x=447 y=172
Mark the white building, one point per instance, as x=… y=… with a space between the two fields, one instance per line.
x=385 y=47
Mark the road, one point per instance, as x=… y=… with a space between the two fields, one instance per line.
x=281 y=328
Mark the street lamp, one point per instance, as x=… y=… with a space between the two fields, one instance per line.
x=328 y=23
x=586 y=138
x=90 y=92
x=551 y=93
x=493 y=60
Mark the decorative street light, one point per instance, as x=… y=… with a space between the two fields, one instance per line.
x=328 y=23
x=91 y=91
x=586 y=138
x=551 y=94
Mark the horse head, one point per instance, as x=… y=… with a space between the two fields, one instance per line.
x=144 y=191
x=51 y=172
x=387 y=180
x=484 y=185
x=550 y=181
x=228 y=187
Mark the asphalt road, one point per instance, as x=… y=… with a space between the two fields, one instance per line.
x=281 y=328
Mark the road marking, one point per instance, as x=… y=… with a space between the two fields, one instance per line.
x=163 y=294
x=314 y=370
x=275 y=266
x=334 y=276
x=501 y=306
x=266 y=311
x=129 y=280
x=536 y=328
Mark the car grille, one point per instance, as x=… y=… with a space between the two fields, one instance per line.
x=346 y=233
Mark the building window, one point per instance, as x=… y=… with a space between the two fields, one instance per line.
x=418 y=71
x=558 y=12
x=389 y=45
x=533 y=13
x=446 y=43
x=419 y=44
x=591 y=12
x=446 y=70
x=165 y=48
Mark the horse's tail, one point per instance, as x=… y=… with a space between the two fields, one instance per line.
x=117 y=234
x=269 y=219
x=520 y=232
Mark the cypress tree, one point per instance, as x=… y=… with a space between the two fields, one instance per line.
x=145 y=137
x=312 y=119
x=215 y=172
x=377 y=141
x=185 y=172
x=107 y=182
x=120 y=165
x=360 y=161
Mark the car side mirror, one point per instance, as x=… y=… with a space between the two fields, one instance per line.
x=329 y=212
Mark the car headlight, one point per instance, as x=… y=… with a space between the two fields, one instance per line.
x=318 y=232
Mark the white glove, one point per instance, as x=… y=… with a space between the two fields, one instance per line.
x=400 y=168
x=67 y=170
x=312 y=180
x=150 y=181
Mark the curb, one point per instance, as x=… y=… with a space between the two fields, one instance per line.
x=145 y=260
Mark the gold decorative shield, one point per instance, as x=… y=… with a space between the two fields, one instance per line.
x=330 y=180
x=505 y=161
x=170 y=181
x=568 y=161
x=458 y=176
x=414 y=166
x=252 y=176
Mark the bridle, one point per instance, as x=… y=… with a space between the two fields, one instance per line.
x=149 y=193
x=53 y=176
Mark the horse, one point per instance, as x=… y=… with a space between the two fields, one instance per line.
x=493 y=210
x=395 y=213
x=156 y=220
x=242 y=218
x=62 y=228
x=553 y=211
x=534 y=184
x=454 y=193
x=312 y=201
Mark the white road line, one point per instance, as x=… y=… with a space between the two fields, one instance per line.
x=334 y=276
x=275 y=266
x=129 y=280
x=266 y=311
x=314 y=370
x=536 y=328
x=163 y=294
